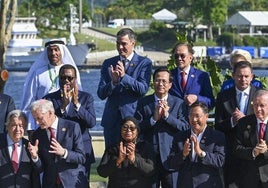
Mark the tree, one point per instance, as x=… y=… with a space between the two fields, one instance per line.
x=7 y=18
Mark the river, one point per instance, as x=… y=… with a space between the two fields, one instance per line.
x=89 y=78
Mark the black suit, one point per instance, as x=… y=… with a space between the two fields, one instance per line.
x=226 y=103
x=253 y=172
x=26 y=177
x=6 y=105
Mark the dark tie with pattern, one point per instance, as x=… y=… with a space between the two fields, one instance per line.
x=15 y=157
x=183 y=80
x=261 y=130
x=52 y=135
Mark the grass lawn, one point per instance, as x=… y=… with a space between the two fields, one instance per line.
x=94 y=177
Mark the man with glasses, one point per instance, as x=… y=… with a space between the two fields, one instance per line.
x=43 y=76
x=124 y=79
x=189 y=83
x=73 y=104
x=161 y=117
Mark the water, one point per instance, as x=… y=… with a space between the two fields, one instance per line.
x=89 y=78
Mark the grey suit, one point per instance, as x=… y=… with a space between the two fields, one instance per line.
x=26 y=177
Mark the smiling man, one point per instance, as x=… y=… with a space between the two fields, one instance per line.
x=73 y=104
x=43 y=76
x=124 y=79
x=189 y=83
x=161 y=117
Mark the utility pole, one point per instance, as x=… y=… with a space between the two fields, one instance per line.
x=80 y=16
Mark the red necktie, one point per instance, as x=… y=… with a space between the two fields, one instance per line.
x=15 y=158
x=161 y=110
x=52 y=135
x=261 y=131
x=183 y=80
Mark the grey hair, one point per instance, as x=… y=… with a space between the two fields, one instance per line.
x=15 y=113
x=43 y=105
x=260 y=92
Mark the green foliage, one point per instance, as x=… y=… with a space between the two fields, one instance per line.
x=228 y=40
x=208 y=66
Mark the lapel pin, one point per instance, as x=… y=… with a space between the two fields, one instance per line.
x=131 y=64
x=202 y=141
x=248 y=126
x=63 y=129
x=192 y=75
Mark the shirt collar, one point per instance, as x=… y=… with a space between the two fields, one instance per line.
x=265 y=121
x=55 y=123
x=245 y=91
x=187 y=70
x=201 y=134
x=10 y=141
x=164 y=98
x=128 y=58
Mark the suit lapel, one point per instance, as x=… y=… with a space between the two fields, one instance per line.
x=132 y=64
x=61 y=130
x=190 y=79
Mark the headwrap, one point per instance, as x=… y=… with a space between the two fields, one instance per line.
x=42 y=63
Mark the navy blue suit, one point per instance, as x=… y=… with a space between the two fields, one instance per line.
x=27 y=175
x=85 y=117
x=122 y=100
x=201 y=173
x=198 y=83
x=70 y=170
x=161 y=134
x=6 y=105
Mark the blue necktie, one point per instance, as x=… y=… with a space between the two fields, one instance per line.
x=242 y=102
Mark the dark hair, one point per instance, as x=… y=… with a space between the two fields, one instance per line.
x=189 y=46
x=126 y=31
x=67 y=66
x=134 y=120
x=201 y=105
x=163 y=69
x=242 y=64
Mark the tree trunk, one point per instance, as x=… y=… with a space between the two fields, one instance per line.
x=7 y=18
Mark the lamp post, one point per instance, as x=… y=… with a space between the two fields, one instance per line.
x=72 y=21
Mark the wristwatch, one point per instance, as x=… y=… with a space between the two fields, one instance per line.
x=203 y=154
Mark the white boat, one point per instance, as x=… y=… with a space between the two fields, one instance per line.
x=24 y=46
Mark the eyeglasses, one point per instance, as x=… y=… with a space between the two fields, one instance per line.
x=176 y=56
x=127 y=127
x=158 y=81
x=70 y=78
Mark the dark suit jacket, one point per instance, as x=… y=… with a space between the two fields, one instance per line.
x=6 y=105
x=161 y=134
x=70 y=170
x=225 y=105
x=122 y=100
x=85 y=117
x=202 y=173
x=26 y=177
x=198 y=83
x=136 y=175
x=251 y=170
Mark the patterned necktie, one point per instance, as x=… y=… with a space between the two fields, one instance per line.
x=261 y=130
x=161 y=110
x=126 y=63
x=52 y=135
x=15 y=158
x=183 y=80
